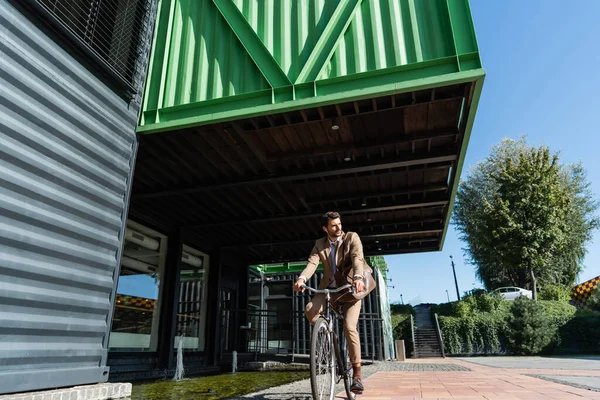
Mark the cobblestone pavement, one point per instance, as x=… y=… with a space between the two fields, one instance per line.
x=452 y=378
x=583 y=382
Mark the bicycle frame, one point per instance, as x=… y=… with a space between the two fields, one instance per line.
x=336 y=343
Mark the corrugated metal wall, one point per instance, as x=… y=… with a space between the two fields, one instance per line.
x=67 y=146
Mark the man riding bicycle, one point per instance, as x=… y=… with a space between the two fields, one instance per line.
x=342 y=257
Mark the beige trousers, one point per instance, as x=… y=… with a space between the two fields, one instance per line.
x=351 y=311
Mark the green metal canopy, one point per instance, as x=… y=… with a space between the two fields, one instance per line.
x=219 y=60
x=266 y=111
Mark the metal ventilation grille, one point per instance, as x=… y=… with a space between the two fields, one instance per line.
x=112 y=29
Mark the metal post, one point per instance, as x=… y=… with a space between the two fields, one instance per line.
x=447 y=295
x=455 y=281
x=170 y=303
x=439 y=335
x=412 y=335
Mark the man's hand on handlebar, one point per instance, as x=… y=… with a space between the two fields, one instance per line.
x=299 y=285
x=359 y=285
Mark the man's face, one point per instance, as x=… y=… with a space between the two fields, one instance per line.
x=333 y=228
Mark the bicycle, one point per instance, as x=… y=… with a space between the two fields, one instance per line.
x=325 y=364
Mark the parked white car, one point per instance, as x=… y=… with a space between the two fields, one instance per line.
x=511 y=292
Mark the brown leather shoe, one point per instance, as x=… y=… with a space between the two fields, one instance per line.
x=357 y=385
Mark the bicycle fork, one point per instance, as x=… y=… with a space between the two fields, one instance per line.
x=342 y=372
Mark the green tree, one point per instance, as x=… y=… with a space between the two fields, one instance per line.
x=528 y=329
x=554 y=293
x=525 y=217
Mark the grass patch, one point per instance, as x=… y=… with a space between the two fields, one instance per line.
x=214 y=387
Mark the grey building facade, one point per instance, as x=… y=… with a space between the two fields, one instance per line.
x=71 y=74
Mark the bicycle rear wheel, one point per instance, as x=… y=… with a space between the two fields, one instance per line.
x=322 y=370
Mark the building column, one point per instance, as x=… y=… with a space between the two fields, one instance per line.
x=170 y=302
x=213 y=322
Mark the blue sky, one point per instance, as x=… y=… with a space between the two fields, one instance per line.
x=542 y=61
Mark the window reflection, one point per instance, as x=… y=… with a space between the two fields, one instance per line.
x=135 y=319
x=191 y=315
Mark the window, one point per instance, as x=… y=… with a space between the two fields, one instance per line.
x=113 y=31
x=191 y=312
x=279 y=325
x=136 y=316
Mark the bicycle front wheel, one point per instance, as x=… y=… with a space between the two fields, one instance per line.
x=322 y=370
x=346 y=368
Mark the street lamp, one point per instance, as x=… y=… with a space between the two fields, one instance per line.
x=447 y=295
x=455 y=281
x=401 y=299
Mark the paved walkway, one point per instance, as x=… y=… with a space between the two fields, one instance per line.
x=477 y=378
x=494 y=381
x=585 y=363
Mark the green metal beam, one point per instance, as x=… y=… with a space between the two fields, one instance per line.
x=463 y=152
x=261 y=56
x=325 y=46
x=443 y=72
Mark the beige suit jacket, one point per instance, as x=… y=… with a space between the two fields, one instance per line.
x=349 y=257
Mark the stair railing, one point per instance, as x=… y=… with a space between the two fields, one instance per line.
x=439 y=334
x=412 y=334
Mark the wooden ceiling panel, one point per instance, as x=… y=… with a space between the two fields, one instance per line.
x=262 y=182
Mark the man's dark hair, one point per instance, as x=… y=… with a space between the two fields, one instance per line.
x=329 y=215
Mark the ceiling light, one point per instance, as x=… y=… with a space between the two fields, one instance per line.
x=335 y=127
x=377 y=241
x=379 y=248
x=369 y=219
x=363 y=202
x=347 y=156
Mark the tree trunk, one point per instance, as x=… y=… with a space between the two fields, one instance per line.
x=533 y=283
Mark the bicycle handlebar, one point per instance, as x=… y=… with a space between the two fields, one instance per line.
x=339 y=289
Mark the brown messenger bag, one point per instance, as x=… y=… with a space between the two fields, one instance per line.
x=368 y=279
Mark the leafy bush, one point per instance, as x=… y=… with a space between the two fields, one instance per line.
x=474 y=301
x=580 y=334
x=396 y=308
x=554 y=292
x=558 y=313
x=401 y=324
x=444 y=309
x=567 y=330
x=478 y=334
x=594 y=300
x=474 y=292
x=488 y=302
x=528 y=328
x=463 y=308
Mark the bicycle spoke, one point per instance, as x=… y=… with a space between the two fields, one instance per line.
x=324 y=364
